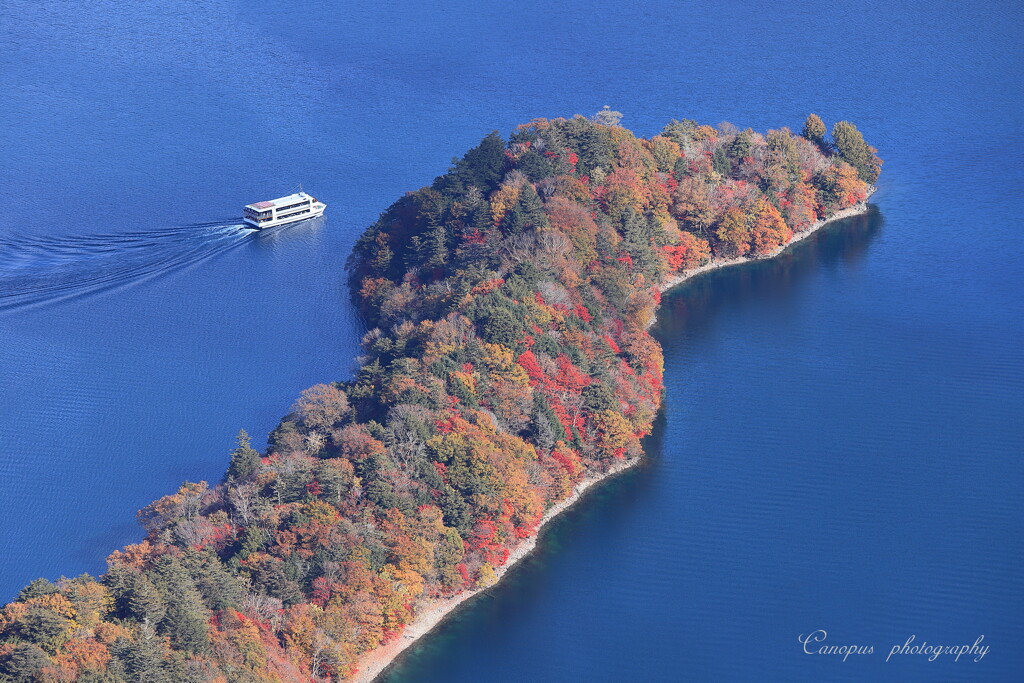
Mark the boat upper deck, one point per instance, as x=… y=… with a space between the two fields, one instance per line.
x=282 y=202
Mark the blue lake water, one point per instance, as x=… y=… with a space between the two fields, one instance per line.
x=842 y=442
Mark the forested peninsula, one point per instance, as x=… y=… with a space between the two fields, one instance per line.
x=508 y=365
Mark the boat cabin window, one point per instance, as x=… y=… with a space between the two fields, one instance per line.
x=259 y=216
x=293 y=213
x=293 y=206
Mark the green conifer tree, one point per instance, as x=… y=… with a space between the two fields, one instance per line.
x=742 y=145
x=527 y=214
x=853 y=150
x=186 y=616
x=245 y=459
x=145 y=603
x=142 y=657
x=720 y=161
x=23 y=664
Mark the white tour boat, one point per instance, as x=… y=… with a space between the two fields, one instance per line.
x=294 y=207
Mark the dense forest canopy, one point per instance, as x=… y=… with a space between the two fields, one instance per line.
x=508 y=359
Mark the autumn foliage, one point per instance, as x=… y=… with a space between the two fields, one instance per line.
x=508 y=359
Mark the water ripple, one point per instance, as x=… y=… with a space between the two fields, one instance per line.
x=38 y=270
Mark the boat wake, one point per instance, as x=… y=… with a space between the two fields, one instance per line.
x=40 y=270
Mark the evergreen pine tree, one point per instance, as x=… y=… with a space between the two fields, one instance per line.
x=853 y=150
x=742 y=145
x=244 y=459
x=720 y=161
x=481 y=167
x=453 y=507
x=218 y=587
x=22 y=664
x=434 y=247
x=186 y=615
x=383 y=256
x=544 y=425
x=142 y=657
x=636 y=240
x=527 y=214
x=144 y=601
x=36 y=589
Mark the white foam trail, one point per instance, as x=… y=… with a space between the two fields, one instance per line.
x=39 y=270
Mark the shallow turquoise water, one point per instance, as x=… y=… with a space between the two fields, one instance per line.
x=841 y=441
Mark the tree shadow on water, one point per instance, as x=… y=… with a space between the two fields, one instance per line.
x=689 y=310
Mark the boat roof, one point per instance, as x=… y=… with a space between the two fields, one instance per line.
x=280 y=201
